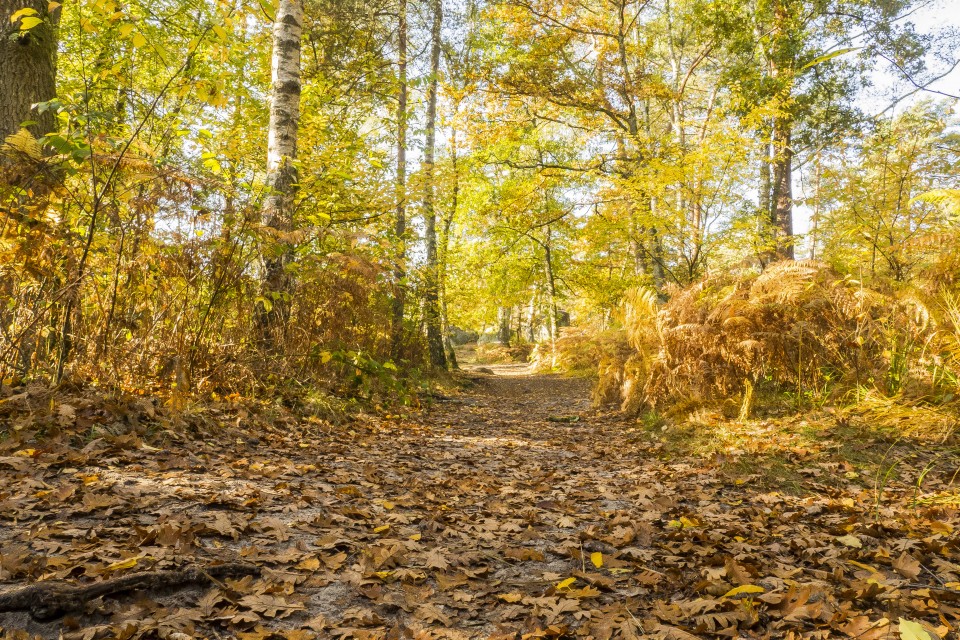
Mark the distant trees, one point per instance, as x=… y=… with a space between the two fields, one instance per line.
x=296 y=194
x=871 y=212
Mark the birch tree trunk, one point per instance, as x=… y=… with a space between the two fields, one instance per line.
x=281 y=170
x=431 y=280
x=400 y=228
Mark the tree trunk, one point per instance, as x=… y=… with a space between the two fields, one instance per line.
x=782 y=196
x=431 y=280
x=400 y=229
x=815 y=218
x=532 y=314
x=28 y=67
x=503 y=335
x=551 y=288
x=782 y=71
x=445 y=245
x=28 y=71
x=281 y=171
x=766 y=181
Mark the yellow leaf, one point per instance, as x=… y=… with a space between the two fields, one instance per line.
x=381 y=528
x=851 y=541
x=52 y=6
x=26 y=11
x=25 y=453
x=743 y=589
x=220 y=31
x=29 y=23
x=129 y=563
x=125 y=30
x=863 y=566
x=683 y=523
x=510 y=597
x=415 y=537
x=565 y=584
x=941 y=527
x=388 y=505
x=597 y=559
x=310 y=564
x=139 y=40
x=910 y=630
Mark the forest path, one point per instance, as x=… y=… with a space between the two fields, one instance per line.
x=509 y=508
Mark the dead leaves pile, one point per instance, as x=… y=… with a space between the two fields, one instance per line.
x=481 y=519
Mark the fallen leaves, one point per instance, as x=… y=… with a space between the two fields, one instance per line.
x=479 y=520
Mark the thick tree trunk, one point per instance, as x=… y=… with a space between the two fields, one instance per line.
x=431 y=280
x=400 y=228
x=28 y=64
x=281 y=171
x=28 y=73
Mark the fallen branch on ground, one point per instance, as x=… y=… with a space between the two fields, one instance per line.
x=50 y=600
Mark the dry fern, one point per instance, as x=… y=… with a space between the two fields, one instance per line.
x=798 y=327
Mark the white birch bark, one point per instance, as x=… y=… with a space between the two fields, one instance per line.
x=281 y=170
x=284 y=114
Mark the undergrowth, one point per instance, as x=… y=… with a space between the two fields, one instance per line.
x=798 y=337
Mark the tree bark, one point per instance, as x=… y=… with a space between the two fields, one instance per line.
x=281 y=170
x=400 y=228
x=28 y=67
x=28 y=70
x=782 y=195
x=445 y=245
x=431 y=280
x=782 y=71
x=505 y=317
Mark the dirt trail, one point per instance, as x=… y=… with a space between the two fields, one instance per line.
x=511 y=508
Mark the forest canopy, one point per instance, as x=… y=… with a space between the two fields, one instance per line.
x=226 y=195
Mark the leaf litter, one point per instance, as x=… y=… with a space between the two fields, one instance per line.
x=481 y=517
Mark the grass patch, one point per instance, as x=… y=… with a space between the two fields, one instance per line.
x=810 y=453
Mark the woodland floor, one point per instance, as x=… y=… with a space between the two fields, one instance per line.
x=507 y=509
